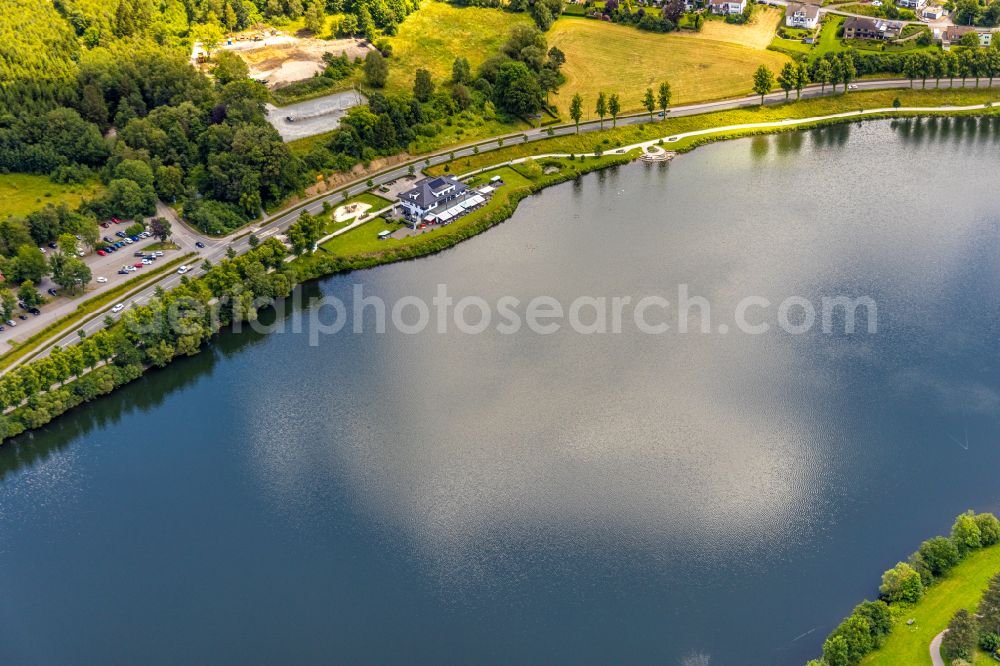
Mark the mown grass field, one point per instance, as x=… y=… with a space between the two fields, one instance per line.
x=22 y=193
x=962 y=588
x=717 y=63
x=433 y=36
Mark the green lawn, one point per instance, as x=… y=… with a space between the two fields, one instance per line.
x=962 y=588
x=828 y=41
x=22 y=193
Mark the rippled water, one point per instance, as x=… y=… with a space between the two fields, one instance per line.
x=571 y=498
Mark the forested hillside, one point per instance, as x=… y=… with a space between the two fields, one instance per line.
x=35 y=43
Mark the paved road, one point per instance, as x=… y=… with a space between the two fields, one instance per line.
x=216 y=247
x=936 y=649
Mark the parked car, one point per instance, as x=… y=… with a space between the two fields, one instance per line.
x=42 y=249
x=102 y=279
x=118 y=308
x=102 y=253
x=11 y=322
x=123 y=272
x=22 y=317
x=146 y=262
x=35 y=311
x=140 y=253
x=134 y=238
x=137 y=264
x=129 y=241
x=116 y=220
x=53 y=245
x=52 y=292
x=104 y=225
x=199 y=244
x=159 y=253
x=107 y=239
x=120 y=234
x=80 y=253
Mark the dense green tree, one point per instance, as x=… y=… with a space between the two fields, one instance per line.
x=989 y=606
x=836 y=651
x=989 y=528
x=576 y=110
x=423 y=86
x=939 y=554
x=663 y=97
x=959 y=641
x=763 y=82
x=376 y=69
x=601 y=108
x=229 y=67
x=29 y=265
x=517 y=91
x=649 y=102
x=69 y=272
x=787 y=78
x=28 y=295
x=965 y=533
x=614 y=108
x=461 y=72
x=901 y=583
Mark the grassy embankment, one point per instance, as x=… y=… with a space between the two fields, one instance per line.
x=715 y=63
x=961 y=588
x=609 y=139
x=22 y=193
x=83 y=312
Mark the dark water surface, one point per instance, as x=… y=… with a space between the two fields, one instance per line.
x=619 y=498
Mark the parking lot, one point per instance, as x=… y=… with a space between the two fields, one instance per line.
x=105 y=267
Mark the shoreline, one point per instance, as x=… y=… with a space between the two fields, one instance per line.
x=321 y=264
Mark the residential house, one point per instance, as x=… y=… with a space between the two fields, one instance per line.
x=726 y=7
x=800 y=15
x=857 y=27
x=911 y=4
x=428 y=194
x=953 y=36
x=933 y=13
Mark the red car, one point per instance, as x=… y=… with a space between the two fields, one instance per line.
x=102 y=253
x=104 y=225
x=116 y=220
x=138 y=264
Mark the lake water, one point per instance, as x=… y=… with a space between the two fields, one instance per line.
x=619 y=498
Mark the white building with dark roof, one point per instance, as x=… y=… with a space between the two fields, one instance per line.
x=428 y=194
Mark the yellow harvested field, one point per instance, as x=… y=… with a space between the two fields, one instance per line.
x=755 y=35
x=438 y=32
x=620 y=59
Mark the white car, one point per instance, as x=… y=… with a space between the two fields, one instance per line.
x=146 y=262
x=102 y=279
x=158 y=253
x=80 y=253
x=128 y=241
x=182 y=270
x=118 y=308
